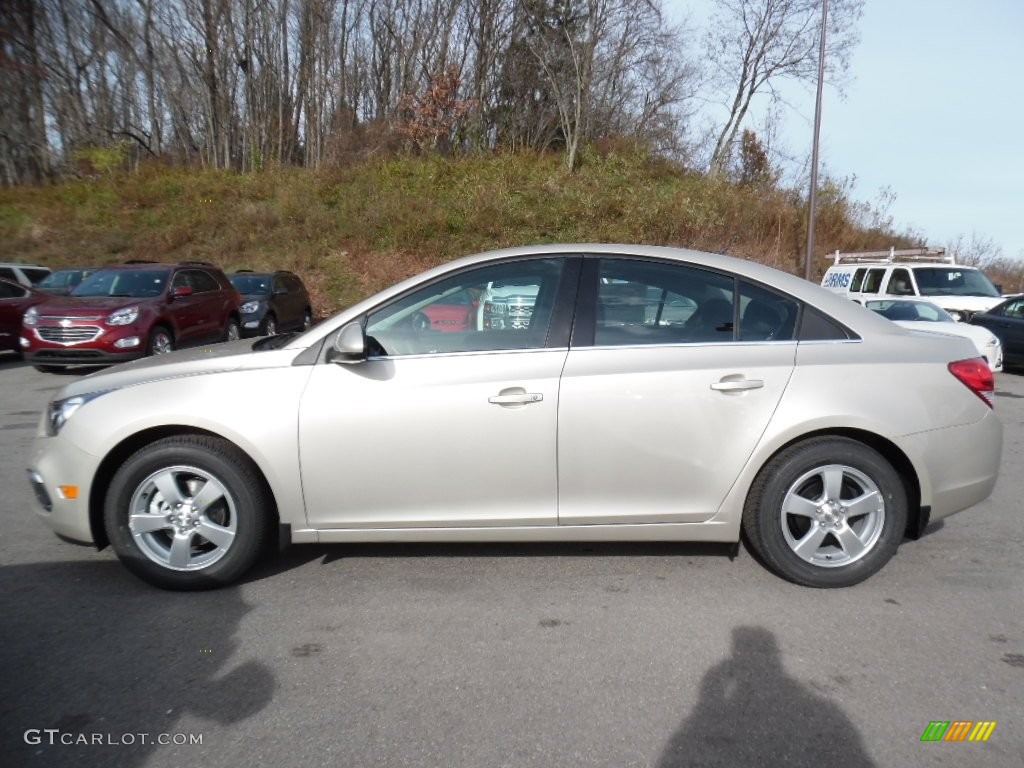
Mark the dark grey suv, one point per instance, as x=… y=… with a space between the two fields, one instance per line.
x=272 y=302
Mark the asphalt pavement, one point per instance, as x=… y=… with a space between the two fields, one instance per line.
x=664 y=655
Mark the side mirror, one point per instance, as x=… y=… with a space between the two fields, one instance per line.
x=349 y=345
x=181 y=290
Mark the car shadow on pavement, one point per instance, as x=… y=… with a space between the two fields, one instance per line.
x=86 y=651
x=751 y=712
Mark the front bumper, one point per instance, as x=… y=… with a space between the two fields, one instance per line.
x=251 y=323
x=100 y=350
x=56 y=463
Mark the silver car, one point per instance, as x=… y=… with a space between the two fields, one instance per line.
x=770 y=407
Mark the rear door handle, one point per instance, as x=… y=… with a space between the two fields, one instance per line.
x=737 y=385
x=518 y=398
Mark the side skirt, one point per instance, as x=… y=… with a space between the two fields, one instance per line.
x=709 y=531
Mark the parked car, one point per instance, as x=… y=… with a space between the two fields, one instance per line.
x=507 y=304
x=924 y=316
x=64 y=281
x=457 y=312
x=930 y=274
x=272 y=302
x=27 y=274
x=15 y=299
x=759 y=413
x=1007 y=322
x=132 y=310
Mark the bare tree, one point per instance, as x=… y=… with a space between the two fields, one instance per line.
x=752 y=44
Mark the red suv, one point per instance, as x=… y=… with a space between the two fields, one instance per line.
x=137 y=309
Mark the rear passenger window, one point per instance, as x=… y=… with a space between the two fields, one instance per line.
x=8 y=273
x=873 y=281
x=766 y=315
x=642 y=302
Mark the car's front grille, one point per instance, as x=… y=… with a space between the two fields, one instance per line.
x=75 y=334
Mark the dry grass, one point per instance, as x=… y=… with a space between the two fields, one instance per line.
x=353 y=230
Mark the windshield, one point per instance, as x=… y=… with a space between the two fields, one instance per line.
x=62 y=278
x=251 y=283
x=953 y=281
x=135 y=283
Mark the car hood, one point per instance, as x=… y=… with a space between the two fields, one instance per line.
x=967 y=303
x=88 y=306
x=196 y=361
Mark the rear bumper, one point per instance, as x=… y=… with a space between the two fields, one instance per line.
x=960 y=464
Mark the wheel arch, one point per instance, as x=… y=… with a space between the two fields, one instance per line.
x=119 y=454
x=917 y=516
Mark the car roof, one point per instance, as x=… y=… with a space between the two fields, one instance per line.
x=22 y=264
x=856 y=317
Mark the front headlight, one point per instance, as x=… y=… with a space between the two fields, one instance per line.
x=32 y=317
x=59 y=411
x=249 y=307
x=125 y=316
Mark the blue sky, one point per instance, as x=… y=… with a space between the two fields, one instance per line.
x=934 y=112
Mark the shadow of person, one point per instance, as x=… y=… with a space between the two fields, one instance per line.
x=86 y=650
x=751 y=713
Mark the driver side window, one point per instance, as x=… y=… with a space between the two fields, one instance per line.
x=497 y=307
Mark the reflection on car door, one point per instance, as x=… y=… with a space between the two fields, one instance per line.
x=656 y=421
x=441 y=428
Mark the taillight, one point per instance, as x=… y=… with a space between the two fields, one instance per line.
x=977 y=377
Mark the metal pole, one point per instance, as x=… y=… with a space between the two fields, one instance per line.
x=813 y=200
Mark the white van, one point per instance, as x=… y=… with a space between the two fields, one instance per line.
x=923 y=272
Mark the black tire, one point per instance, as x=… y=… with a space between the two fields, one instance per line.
x=825 y=546
x=269 y=326
x=307 y=319
x=185 y=464
x=50 y=368
x=161 y=341
x=232 y=331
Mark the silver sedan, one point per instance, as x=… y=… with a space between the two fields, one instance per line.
x=645 y=394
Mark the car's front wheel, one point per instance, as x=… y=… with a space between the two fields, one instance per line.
x=160 y=341
x=188 y=512
x=827 y=512
x=269 y=326
x=233 y=332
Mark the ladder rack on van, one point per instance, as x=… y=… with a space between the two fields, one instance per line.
x=893 y=255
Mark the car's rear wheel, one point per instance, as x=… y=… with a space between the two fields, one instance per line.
x=827 y=512
x=307 y=319
x=188 y=512
x=269 y=326
x=160 y=341
x=233 y=331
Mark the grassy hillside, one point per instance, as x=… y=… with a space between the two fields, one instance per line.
x=354 y=230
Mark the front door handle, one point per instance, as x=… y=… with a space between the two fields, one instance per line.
x=517 y=398
x=729 y=384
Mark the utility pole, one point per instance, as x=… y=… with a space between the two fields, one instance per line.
x=813 y=200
